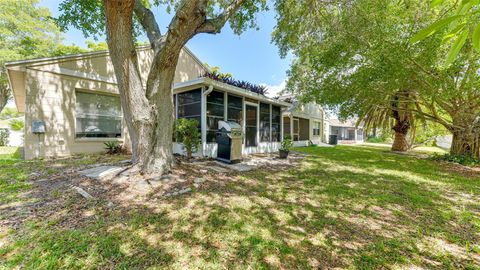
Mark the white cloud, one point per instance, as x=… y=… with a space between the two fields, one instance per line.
x=274 y=90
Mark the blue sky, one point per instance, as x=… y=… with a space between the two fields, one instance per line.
x=250 y=57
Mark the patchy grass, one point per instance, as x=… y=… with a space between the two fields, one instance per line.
x=354 y=207
x=14 y=171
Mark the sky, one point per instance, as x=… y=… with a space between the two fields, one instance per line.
x=250 y=56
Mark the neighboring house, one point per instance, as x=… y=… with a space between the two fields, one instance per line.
x=305 y=123
x=347 y=131
x=444 y=141
x=76 y=99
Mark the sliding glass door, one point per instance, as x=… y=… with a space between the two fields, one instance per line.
x=250 y=125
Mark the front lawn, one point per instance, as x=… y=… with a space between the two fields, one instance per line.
x=354 y=207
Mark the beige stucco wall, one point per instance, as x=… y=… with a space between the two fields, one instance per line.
x=314 y=113
x=50 y=96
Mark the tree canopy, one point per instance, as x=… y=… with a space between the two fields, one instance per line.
x=358 y=58
x=28 y=31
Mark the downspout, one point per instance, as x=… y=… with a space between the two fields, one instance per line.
x=204 y=116
x=208 y=91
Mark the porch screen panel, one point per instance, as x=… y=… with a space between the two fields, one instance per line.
x=215 y=113
x=250 y=125
x=190 y=105
x=286 y=127
x=276 y=123
x=97 y=116
x=296 y=129
x=264 y=122
x=304 y=131
x=234 y=111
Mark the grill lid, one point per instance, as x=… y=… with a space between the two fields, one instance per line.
x=229 y=126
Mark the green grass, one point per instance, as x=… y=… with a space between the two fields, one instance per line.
x=353 y=207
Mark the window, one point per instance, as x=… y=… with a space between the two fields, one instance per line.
x=97 y=116
x=264 y=122
x=234 y=112
x=215 y=113
x=276 y=123
x=316 y=128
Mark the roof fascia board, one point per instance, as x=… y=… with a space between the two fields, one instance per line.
x=78 y=74
x=178 y=87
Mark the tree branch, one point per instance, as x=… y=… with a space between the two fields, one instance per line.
x=147 y=20
x=214 y=25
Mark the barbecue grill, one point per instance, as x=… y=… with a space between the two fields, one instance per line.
x=229 y=141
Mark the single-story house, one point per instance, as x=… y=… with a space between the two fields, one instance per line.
x=348 y=132
x=71 y=105
x=304 y=122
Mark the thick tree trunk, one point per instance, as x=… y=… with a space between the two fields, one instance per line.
x=137 y=111
x=4 y=94
x=465 y=140
x=400 y=143
x=158 y=156
x=403 y=121
x=149 y=113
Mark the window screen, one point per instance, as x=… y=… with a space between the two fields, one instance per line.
x=235 y=112
x=215 y=113
x=316 y=128
x=286 y=127
x=276 y=114
x=189 y=104
x=97 y=116
x=250 y=125
x=264 y=122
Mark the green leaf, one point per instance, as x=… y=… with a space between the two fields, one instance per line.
x=465 y=6
x=435 y=3
x=431 y=29
x=476 y=38
x=456 y=47
x=454 y=32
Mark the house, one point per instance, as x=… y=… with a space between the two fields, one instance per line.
x=305 y=123
x=71 y=106
x=347 y=131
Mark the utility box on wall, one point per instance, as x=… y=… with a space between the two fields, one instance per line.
x=38 y=127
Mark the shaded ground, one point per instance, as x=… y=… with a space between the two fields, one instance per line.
x=354 y=207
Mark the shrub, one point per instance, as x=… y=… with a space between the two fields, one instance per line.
x=113 y=147
x=259 y=89
x=9 y=112
x=286 y=144
x=16 y=124
x=373 y=139
x=460 y=159
x=4 y=135
x=188 y=134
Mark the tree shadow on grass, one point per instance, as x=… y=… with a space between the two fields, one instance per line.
x=349 y=208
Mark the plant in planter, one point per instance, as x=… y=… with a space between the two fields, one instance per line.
x=113 y=148
x=188 y=134
x=285 y=147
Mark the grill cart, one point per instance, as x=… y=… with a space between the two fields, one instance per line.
x=229 y=141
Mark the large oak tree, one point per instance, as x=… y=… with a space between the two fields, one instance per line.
x=26 y=31
x=149 y=112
